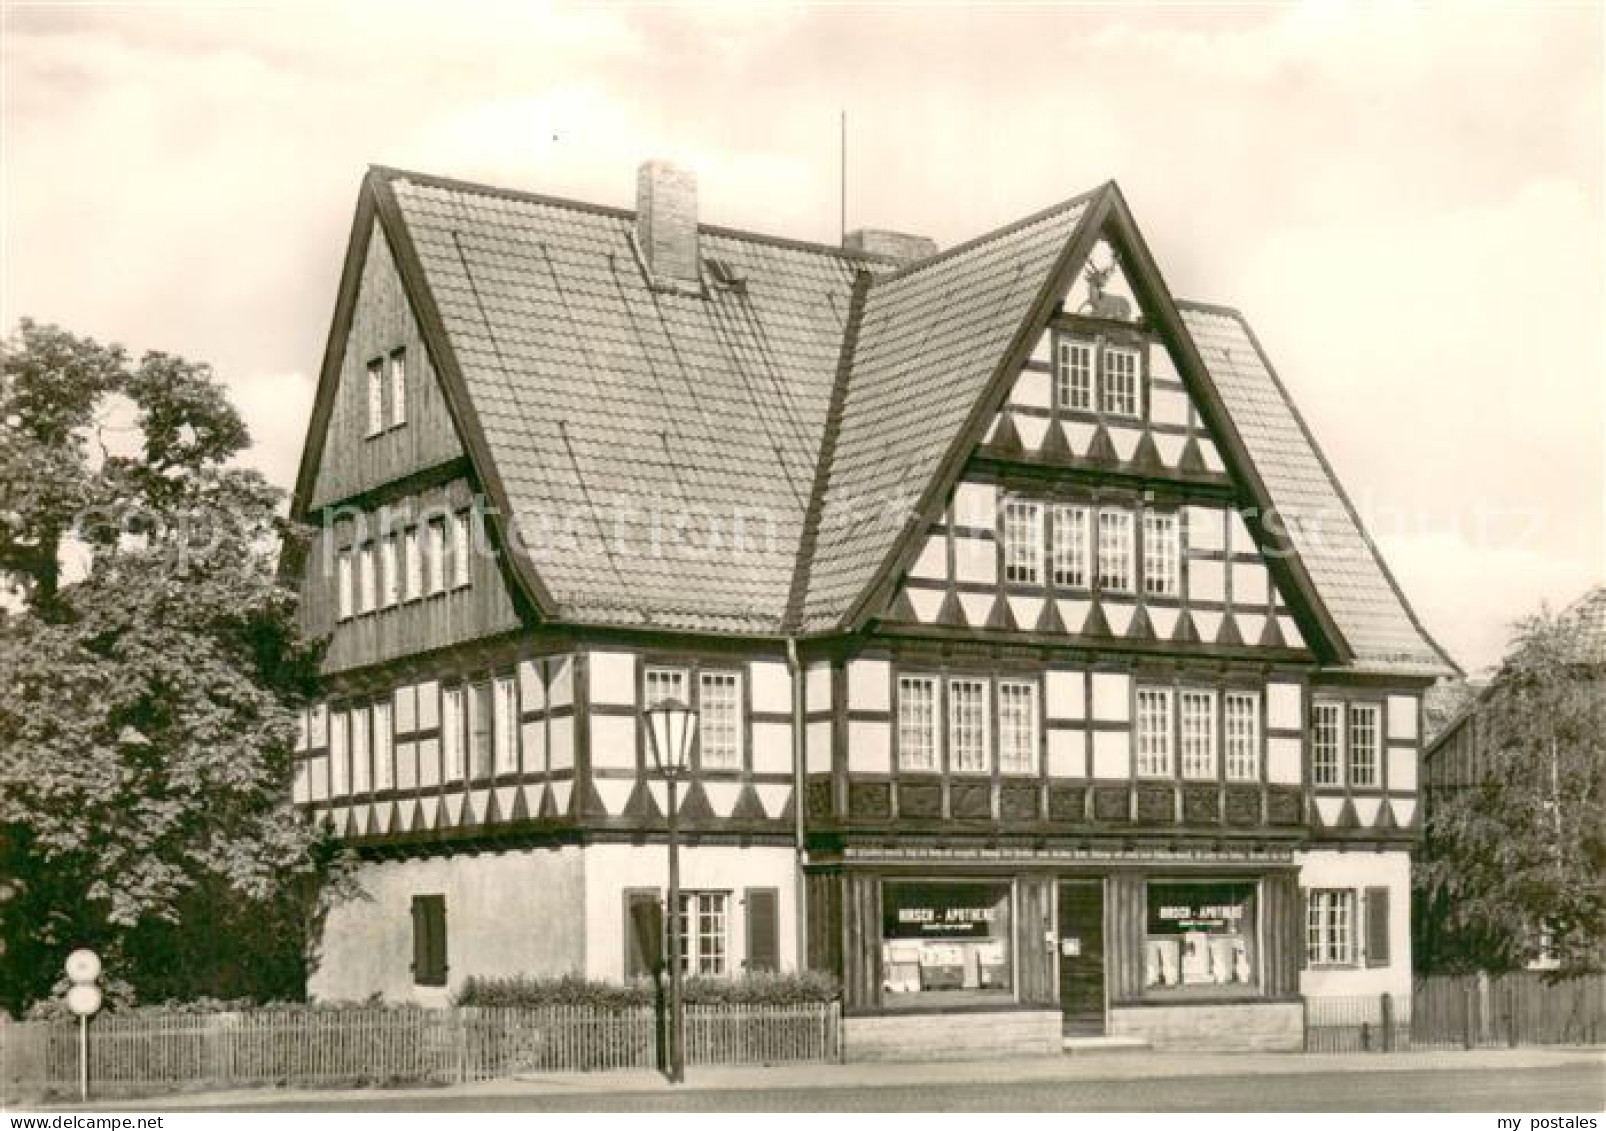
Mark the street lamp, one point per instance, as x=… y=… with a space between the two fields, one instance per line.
x=671 y=726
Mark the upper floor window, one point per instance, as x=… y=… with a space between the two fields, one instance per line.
x=1161 y=553
x=387 y=392
x=1017 y=727
x=376 y=398
x=719 y=721
x=345 y=586
x=389 y=571
x=413 y=567
x=1241 y=715
x=967 y=726
x=480 y=729
x=384 y=748
x=917 y=722
x=398 y=387
x=505 y=708
x=1197 y=718
x=339 y=754
x=1023 y=542
x=1070 y=550
x=1115 y=551
x=453 y=718
x=1363 y=728
x=362 y=751
x=666 y=683
x=1074 y=375
x=367 y=583
x=1327 y=744
x=461 y=544
x=1120 y=385
x=1154 y=732
x=435 y=555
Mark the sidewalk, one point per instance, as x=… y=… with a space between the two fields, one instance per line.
x=1100 y=1066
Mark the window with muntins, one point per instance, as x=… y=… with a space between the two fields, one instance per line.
x=1070 y=547
x=1023 y=542
x=1241 y=719
x=719 y=720
x=1363 y=728
x=666 y=683
x=1327 y=744
x=1330 y=927
x=1074 y=375
x=506 y=724
x=1154 y=732
x=1197 y=723
x=1017 y=727
x=1160 y=554
x=917 y=723
x=1120 y=381
x=1115 y=551
x=703 y=922
x=452 y=720
x=967 y=726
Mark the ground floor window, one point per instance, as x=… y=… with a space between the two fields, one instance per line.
x=1200 y=938
x=943 y=943
x=702 y=925
x=1330 y=927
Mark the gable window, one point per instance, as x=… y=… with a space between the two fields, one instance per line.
x=1330 y=927
x=435 y=556
x=1023 y=542
x=719 y=720
x=345 y=598
x=1074 y=375
x=702 y=924
x=666 y=683
x=1196 y=712
x=967 y=726
x=1154 y=732
x=460 y=549
x=413 y=566
x=1120 y=386
x=506 y=725
x=376 y=398
x=1160 y=554
x=1327 y=744
x=1070 y=547
x=389 y=572
x=1115 y=551
x=398 y=387
x=1017 y=727
x=452 y=718
x=917 y=722
x=384 y=749
x=367 y=583
x=1363 y=719
x=1241 y=715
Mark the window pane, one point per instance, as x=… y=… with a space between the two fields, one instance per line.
x=1363 y=727
x=1120 y=381
x=1160 y=554
x=1154 y=732
x=339 y=754
x=1070 y=547
x=1074 y=376
x=917 y=723
x=666 y=683
x=345 y=602
x=967 y=725
x=1201 y=936
x=1242 y=718
x=413 y=569
x=367 y=584
x=389 y=572
x=507 y=725
x=384 y=749
x=1017 y=727
x=479 y=730
x=945 y=943
x=461 y=545
x=1115 y=551
x=435 y=556
x=1023 y=542
x=398 y=388
x=701 y=923
x=361 y=751
x=452 y=732
x=1198 y=719
x=719 y=722
x=1327 y=754
x=376 y=398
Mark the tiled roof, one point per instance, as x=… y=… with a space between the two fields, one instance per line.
x=614 y=411
x=1336 y=550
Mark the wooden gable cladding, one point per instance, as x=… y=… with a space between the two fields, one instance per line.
x=350 y=461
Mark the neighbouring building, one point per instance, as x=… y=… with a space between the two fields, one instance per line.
x=1044 y=671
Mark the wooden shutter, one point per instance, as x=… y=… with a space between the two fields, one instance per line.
x=644 y=932
x=1377 y=926
x=429 y=940
x=763 y=929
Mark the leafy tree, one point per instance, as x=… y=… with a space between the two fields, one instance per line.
x=148 y=707
x=1518 y=854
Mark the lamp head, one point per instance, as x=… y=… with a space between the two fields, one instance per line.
x=671 y=726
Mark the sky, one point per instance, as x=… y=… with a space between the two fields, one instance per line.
x=1405 y=200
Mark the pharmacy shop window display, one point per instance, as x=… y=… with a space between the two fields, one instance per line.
x=945 y=944
x=1201 y=939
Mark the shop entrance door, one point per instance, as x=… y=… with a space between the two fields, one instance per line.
x=1081 y=947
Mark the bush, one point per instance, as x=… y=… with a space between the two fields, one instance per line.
x=524 y=992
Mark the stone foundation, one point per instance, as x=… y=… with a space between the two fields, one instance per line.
x=952 y=1036
x=1271 y=1026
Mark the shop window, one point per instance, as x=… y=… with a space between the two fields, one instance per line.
x=702 y=925
x=1201 y=939
x=917 y=722
x=945 y=944
x=1330 y=927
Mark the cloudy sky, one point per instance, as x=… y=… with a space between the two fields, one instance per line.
x=1406 y=201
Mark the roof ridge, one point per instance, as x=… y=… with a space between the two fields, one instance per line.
x=993 y=234
x=618 y=212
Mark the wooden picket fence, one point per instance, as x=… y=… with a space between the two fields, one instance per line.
x=1472 y=1011
x=299 y=1047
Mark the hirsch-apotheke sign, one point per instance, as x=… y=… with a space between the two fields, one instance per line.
x=942 y=910
x=1176 y=909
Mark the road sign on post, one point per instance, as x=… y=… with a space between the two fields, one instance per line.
x=84 y=999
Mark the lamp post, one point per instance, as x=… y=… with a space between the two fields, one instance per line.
x=671 y=726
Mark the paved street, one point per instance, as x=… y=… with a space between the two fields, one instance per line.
x=1516 y=1082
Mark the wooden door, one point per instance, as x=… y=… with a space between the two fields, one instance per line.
x=1081 y=950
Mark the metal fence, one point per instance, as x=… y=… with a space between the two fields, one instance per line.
x=1472 y=1011
x=300 y=1047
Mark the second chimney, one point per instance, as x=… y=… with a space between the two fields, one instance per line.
x=900 y=247
x=666 y=222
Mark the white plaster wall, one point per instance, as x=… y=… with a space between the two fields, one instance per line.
x=1112 y=696
x=869 y=685
x=1360 y=870
x=506 y=913
x=1282 y=706
x=613 y=678
x=869 y=747
x=1066 y=694
x=772 y=686
x=611 y=868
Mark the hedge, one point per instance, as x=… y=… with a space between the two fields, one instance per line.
x=749 y=989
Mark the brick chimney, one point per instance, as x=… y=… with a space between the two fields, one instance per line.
x=898 y=246
x=666 y=222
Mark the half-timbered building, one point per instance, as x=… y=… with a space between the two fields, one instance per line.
x=1044 y=671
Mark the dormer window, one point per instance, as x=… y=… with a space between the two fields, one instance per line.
x=1120 y=386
